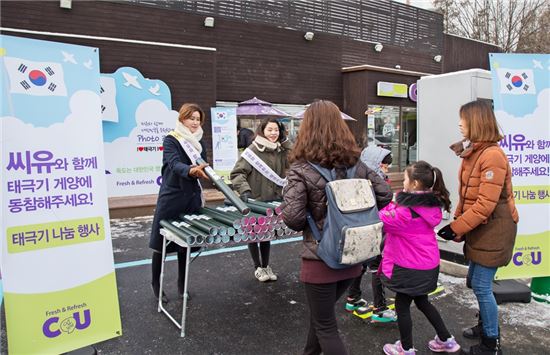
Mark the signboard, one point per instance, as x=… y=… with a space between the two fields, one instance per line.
x=521 y=98
x=57 y=261
x=224 y=140
x=412 y=92
x=137 y=115
x=384 y=88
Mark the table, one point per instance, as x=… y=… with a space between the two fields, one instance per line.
x=170 y=237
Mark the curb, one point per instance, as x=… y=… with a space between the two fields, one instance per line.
x=453 y=269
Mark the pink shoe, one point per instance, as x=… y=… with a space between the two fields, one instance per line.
x=438 y=346
x=397 y=349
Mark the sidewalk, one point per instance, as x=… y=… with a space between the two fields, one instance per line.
x=232 y=313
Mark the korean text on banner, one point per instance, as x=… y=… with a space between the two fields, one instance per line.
x=521 y=96
x=137 y=115
x=224 y=140
x=57 y=262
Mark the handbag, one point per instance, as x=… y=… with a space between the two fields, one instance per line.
x=491 y=243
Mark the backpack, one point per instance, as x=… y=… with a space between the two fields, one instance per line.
x=352 y=231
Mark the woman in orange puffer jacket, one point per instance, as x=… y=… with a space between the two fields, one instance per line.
x=485 y=193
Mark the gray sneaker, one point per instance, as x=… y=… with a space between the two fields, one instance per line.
x=261 y=274
x=270 y=273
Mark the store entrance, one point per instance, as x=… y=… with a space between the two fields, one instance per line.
x=394 y=128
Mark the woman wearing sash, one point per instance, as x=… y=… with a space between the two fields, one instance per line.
x=180 y=191
x=258 y=174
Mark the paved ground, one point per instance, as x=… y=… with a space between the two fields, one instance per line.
x=232 y=313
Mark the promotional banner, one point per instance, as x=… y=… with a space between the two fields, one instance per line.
x=224 y=140
x=137 y=115
x=57 y=265
x=521 y=97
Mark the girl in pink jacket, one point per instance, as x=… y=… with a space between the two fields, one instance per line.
x=410 y=264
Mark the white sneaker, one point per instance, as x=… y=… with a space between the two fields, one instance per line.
x=261 y=274
x=270 y=273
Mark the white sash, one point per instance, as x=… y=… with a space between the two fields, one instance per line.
x=194 y=155
x=258 y=164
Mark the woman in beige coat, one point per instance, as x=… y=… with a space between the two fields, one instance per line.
x=270 y=148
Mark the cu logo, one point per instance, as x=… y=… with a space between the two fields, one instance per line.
x=52 y=327
x=532 y=258
x=412 y=92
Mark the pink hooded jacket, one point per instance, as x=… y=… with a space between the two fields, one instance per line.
x=410 y=262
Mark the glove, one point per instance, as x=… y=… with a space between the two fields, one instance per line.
x=447 y=233
x=198 y=171
x=245 y=196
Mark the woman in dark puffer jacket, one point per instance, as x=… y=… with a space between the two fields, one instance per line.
x=324 y=139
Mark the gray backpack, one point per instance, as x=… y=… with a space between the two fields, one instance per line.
x=352 y=231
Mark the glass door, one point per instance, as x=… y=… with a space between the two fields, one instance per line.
x=393 y=128
x=383 y=127
x=408 y=137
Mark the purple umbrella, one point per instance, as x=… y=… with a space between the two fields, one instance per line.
x=257 y=107
x=300 y=115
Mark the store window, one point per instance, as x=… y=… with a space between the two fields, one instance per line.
x=393 y=128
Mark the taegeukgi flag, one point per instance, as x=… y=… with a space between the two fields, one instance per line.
x=516 y=81
x=35 y=78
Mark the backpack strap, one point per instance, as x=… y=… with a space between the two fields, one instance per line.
x=330 y=175
x=325 y=173
x=313 y=227
x=352 y=171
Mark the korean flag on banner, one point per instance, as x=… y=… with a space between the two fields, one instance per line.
x=107 y=92
x=516 y=81
x=35 y=78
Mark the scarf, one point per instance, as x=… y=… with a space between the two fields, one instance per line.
x=263 y=143
x=192 y=138
x=465 y=148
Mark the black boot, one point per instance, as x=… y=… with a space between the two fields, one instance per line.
x=475 y=331
x=182 y=259
x=487 y=346
x=156 y=264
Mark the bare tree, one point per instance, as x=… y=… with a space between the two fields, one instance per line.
x=513 y=25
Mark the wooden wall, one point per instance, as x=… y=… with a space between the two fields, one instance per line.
x=190 y=73
x=462 y=53
x=360 y=53
x=252 y=59
x=360 y=89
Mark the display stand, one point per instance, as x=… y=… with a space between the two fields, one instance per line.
x=169 y=237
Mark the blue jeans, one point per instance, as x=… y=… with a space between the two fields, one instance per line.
x=481 y=279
